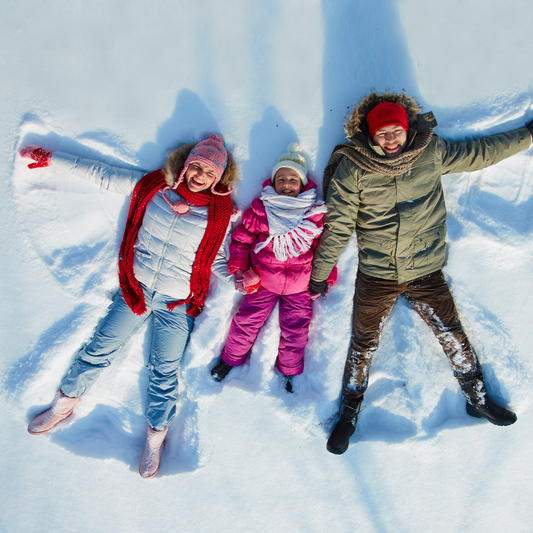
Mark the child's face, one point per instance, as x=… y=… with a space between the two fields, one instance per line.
x=287 y=182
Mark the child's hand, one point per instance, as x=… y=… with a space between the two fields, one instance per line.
x=252 y=281
x=239 y=282
x=41 y=157
x=318 y=288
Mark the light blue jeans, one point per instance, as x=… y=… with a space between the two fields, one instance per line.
x=171 y=332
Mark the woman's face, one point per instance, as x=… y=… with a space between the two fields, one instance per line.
x=392 y=140
x=199 y=177
x=287 y=182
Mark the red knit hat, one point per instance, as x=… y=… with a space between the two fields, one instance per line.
x=386 y=114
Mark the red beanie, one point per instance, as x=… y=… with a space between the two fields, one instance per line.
x=386 y=114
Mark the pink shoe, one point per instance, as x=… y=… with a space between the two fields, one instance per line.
x=61 y=408
x=151 y=459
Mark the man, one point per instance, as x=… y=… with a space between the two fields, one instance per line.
x=385 y=184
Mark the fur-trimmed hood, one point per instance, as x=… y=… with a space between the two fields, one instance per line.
x=177 y=157
x=355 y=122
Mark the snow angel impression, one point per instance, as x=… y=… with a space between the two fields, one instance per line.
x=177 y=224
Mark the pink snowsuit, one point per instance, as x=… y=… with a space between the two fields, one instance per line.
x=287 y=280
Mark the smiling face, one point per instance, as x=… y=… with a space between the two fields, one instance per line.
x=199 y=177
x=287 y=182
x=392 y=140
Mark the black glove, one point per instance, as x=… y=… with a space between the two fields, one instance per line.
x=529 y=126
x=318 y=288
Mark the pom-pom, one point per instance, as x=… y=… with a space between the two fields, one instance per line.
x=216 y=138
x=181 y=207
x=294 y=147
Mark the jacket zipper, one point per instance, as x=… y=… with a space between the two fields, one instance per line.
x=163 y=252
x=286 y=275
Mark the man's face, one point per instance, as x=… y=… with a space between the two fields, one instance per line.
x=392 y=140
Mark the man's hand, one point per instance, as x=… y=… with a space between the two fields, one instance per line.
x=529 y=126
x=41 y=157
x=318 y=288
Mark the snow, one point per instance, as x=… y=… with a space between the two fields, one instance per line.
x=123 y=82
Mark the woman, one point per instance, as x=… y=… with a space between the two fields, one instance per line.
x=177 y=223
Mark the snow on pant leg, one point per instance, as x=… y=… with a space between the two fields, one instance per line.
x=170 y=336
x=294 y=320
x=113 y=331
x=432 y=300
x=245 y=326
x=373 y=301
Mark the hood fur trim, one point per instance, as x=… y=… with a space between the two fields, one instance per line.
x=355 y=122
x=177 y=157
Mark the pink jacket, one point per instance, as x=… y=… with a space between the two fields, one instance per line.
x=281 y=277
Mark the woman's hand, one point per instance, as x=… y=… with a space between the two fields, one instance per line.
x=247 y=282
x=239 y=282
x=41 y=157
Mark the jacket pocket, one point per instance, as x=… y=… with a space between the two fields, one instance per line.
x=430 y=246
x=375 y=251
x=377 y=190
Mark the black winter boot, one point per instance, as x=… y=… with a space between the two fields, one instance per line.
x=339 y=439
x=220 y=370
x=288 y=383
x=479 y=405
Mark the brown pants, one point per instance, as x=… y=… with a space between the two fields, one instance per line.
x=430 y=297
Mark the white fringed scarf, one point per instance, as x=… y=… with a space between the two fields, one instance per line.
x=290 y=229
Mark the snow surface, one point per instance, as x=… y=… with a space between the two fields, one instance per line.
x=124 y=81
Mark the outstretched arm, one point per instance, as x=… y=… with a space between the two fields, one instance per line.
x=108 y=177
x=476 y=154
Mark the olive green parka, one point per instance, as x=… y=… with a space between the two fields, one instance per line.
x=400 y=220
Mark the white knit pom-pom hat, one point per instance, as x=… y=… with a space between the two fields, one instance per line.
x=293 y=159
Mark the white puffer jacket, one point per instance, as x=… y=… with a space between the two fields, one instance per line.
x=166 y=244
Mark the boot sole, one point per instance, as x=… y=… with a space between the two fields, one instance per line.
x=151 y=475
x=158 y=466
x=476 y=414
x=50 y=428
x=336 y=451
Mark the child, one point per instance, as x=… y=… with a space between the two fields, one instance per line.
x=277 y=238
x=177 y=222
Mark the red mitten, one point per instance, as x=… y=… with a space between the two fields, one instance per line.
x=41 y=157
x=252 y=281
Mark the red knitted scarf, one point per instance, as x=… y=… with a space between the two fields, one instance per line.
x=218 y=218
